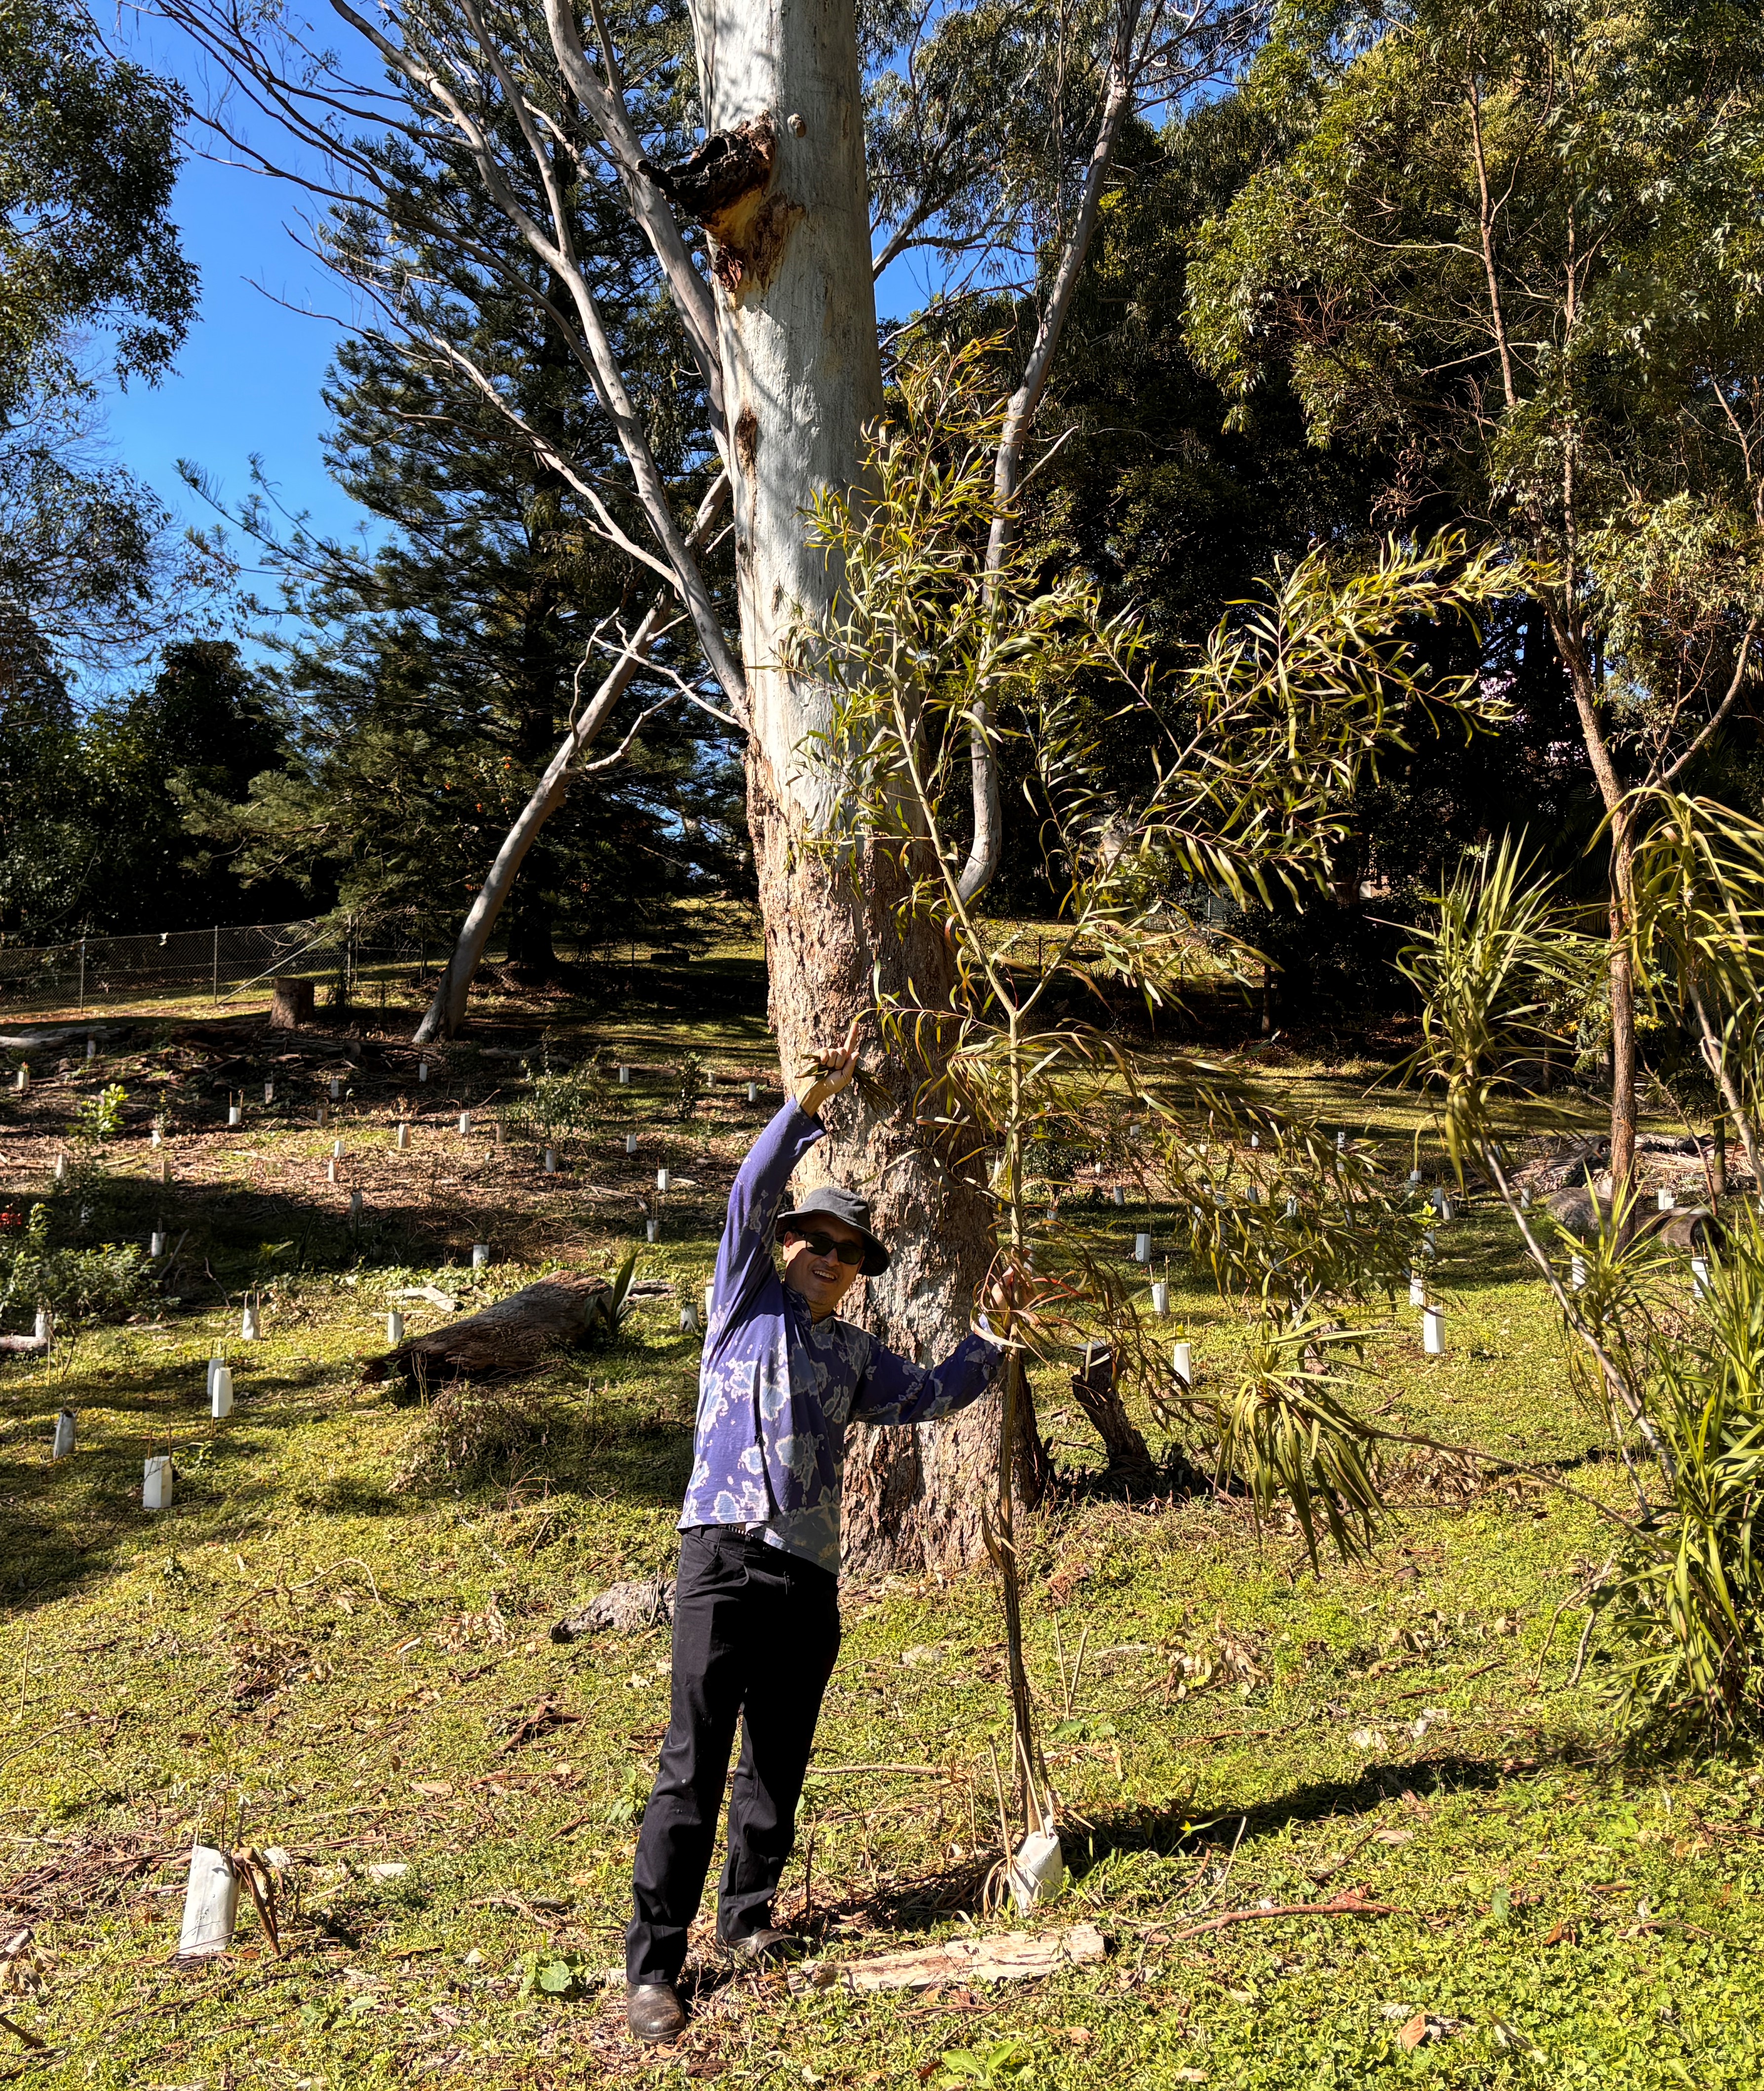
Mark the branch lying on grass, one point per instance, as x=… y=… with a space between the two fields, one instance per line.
x=1351 y=1904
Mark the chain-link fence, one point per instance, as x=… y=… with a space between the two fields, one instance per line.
x=177 y=964
x=213 y=966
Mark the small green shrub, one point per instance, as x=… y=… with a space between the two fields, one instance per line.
x=99 y=1118
x=77 y=1284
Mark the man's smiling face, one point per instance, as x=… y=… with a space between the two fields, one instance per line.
x=819 y=1276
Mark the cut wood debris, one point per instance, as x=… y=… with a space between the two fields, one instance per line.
x=509 y=1337
x=626 y=1608
x=1013 y=1956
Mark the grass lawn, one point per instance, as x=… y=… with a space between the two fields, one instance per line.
x=331 y=1632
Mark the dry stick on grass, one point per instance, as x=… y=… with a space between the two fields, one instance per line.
x=1342 y=1905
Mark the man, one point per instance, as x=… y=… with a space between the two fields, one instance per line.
x=756 y=1602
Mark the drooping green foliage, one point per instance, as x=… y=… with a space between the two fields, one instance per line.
x=1672 y=1369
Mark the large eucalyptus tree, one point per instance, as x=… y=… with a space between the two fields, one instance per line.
x=761 y=238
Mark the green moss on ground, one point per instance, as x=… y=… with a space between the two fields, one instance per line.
x=360 y=1662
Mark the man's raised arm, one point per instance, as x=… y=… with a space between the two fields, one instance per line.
x=744 y=1254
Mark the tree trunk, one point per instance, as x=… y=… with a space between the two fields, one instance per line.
x=1571 y=641
x=531 y=954
x=1094 y=1391
x=802 y=375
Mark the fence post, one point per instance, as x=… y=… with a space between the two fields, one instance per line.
x=82 y=973
x=216 y=966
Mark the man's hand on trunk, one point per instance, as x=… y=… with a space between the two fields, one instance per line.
x=834 y=1071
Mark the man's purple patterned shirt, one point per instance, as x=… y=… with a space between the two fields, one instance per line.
x=776 y=1389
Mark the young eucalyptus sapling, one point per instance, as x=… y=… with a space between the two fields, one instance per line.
x=939 y=637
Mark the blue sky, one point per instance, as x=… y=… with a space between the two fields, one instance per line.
x=248 y=379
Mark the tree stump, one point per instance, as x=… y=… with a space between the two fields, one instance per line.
x=292 y=1005
x=504 y=1340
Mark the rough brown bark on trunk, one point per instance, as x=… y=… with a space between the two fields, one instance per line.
x=911 y=1497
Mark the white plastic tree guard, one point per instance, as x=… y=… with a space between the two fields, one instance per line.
x=631 y=1143
x=1341 y=1142
x=1433 y=1331
x=551 y=1162
x=269 y=1092
x=1142 y=1249
x=1414 y=1180
x=337 y=1149
x=1291 y=1208
x=156 y=1242
x=44 y=1330
x=1038 y=1867
x=710 y=1294
x=1577 y=1272
x=1255 y=1140
x=480 y=1255
x=330 y=1168
x=624 y=1075
x=235 y=1115
x=62 y=1446
x=354 y=1208
x=210 y=1904
x=651 y=1230
x=753 y=1092
x=1120 y=1196
x=324 y=1114
x=156 y=1482
x=1182 y=1362
x=660 y=1180
x=465 y=1124
x=336 y=1088
x=394 y=1327
x=22 y=1081
x=688 y=1317
x=91 y=1049
x=250 y=1324
x=1701 y=1283
x=61 y=1168
x=221 y=1392
x=1160 y=1296
x=422 y=1071
x=404 y=1136
x=1663 y=1201
x=1417 y=1289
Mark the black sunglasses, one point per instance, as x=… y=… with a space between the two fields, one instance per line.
x=847 y=1252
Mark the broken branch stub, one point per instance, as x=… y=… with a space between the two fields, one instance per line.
x=725 y=187
x=626 y=1608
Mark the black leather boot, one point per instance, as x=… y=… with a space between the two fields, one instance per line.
x=653 y=2012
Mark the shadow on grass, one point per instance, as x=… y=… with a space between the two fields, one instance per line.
x=1171 y=1832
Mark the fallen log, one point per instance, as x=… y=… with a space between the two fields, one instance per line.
x=510 y=1337
x=23 y=1342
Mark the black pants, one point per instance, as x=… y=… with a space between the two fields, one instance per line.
x=756 y=1632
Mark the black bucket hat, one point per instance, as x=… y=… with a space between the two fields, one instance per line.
x=839 y=1203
